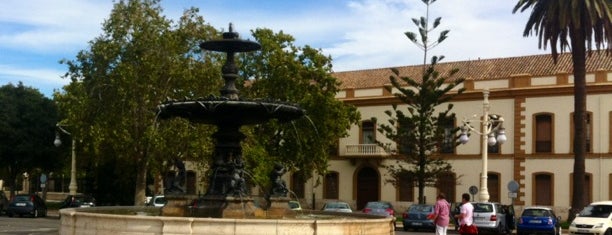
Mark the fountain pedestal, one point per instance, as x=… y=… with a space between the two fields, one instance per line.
x=177 y=205
x=279 y=208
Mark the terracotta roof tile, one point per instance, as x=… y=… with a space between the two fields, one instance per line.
x=482 y=69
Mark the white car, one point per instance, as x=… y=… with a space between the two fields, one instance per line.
x=337 y=207
x=596 y=218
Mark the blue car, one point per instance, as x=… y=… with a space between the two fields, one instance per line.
x=416 y=217
x=538 y=220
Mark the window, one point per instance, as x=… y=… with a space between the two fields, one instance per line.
x=493 y=186
x=297 y=185
x=446 y=183
x=448 y=142
x=404 y=143
x=405 y=187
x=191 y=182
x=542 y=190
x=588 y=187
x=331 y=186
x=368 y=134
x=587 y=132
x=543 y=133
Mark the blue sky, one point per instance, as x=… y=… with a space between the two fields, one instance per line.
x=359 y=34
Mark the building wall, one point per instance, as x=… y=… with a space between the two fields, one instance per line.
x=517 y=98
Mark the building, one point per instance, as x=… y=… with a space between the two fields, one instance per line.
x=535 y=97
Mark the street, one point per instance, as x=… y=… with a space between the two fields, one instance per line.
x=32 y=226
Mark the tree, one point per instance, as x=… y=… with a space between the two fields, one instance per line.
x=284 y=72
x=27 y=129
x=573 y=25
x=140 y=59
x=420 y=132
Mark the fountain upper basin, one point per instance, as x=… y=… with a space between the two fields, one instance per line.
x=146 y=220
x=236 y=112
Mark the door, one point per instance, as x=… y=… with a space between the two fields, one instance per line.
x=368 y=186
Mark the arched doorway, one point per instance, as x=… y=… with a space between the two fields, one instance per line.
x=368 y=186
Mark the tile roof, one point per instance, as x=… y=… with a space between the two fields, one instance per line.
x=481 y=69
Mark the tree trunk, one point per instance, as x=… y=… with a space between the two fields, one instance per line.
x=141 y=182
x=579 y=62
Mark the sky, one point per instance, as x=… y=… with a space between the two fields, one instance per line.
x=358 y=34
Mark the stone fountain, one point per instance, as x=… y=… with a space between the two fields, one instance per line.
x=223 y=205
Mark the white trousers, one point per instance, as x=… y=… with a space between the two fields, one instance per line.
x=441 y=230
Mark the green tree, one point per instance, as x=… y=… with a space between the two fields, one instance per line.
x=573 y=25
x=140 y=59
x=285 y=72
x=419 y=132
x=27 y=129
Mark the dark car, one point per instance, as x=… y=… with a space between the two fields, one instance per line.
x=27 y=204
x=78 y=201
x=380 y=208
x=416 y=217
x=3 y=202
x=538 y=220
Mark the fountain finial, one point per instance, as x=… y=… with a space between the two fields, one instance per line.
x=231 y=34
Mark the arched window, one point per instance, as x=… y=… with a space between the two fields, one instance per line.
x=446 y=184
x=331 y=188
x=588 y=132
x=543 y=141
x=493 y=186
x=191 y=182
x=405 y=187
x=542 y=190
x=588 y=187
x=297 y=185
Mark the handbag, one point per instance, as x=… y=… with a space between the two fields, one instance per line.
x=471 y=229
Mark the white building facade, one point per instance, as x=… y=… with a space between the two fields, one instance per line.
x=535 y=98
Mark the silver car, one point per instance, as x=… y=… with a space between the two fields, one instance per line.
x=337 y=207
x=492 y=217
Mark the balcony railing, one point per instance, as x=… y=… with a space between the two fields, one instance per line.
x=366 y=150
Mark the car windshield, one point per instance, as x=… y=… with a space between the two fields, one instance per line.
x=22 y=198
x=482 y=207
x=336 y=205
x=536 y=212
x=378 y=205
x=421 y=208
x=598 y=211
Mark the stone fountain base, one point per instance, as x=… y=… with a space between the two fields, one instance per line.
x=147 y=220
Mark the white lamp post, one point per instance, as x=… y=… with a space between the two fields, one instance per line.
x=492 y=125
x=72 y=187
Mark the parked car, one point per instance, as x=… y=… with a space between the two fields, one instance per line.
x=157 y=201
x=416 y=217
x=596 y=218
x=27 y=204
x=337 y=207
x=380 y=208
x=3 y=202
x=78 y=201
x=294 y=205
x=538 y=220
x=493 y=217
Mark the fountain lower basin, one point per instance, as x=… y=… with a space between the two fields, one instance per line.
x=147 y=220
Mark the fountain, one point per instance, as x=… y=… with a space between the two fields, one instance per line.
x=226 y=208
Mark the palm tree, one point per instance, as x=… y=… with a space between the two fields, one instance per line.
x=584 y=22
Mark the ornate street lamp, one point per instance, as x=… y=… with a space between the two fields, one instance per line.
x=72 y=187
x=492 y=133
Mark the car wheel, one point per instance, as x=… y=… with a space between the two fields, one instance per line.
x=608 y=232
x=9 y=214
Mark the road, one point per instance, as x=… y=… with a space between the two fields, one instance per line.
x=32 y=226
